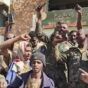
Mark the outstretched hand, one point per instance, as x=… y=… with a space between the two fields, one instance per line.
x=84 y=76
x=24 y=37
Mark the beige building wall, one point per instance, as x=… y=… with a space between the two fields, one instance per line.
x=22 y=10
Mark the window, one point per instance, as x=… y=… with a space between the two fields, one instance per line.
x=3 y=14
x=63 y=4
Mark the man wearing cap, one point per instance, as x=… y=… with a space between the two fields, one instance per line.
x=35 y=78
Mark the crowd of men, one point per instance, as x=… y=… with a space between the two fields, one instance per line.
x=35 y=61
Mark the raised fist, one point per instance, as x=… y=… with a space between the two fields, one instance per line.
x=78 y=8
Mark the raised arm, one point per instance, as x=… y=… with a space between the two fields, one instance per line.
x=11 y=41
x=41 y=15
x=78 y=9
x=84 y=76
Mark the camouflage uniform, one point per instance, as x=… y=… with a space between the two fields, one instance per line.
x=84 y=66
x=73 y=65
x=56 y=67
x=55 y=70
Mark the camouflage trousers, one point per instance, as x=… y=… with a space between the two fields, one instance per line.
x=57 y=73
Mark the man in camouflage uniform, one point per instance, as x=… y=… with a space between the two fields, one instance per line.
x=73 y=64
x=55 y=70
x=55 y=64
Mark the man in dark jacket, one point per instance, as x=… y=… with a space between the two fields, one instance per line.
x=35 y=78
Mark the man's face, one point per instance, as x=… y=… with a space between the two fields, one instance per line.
x=58 y=38
x=37 y=66
x=34 y=41
x=74 y=36
x=27 y=51
x=63 y=27
x=80 y=36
